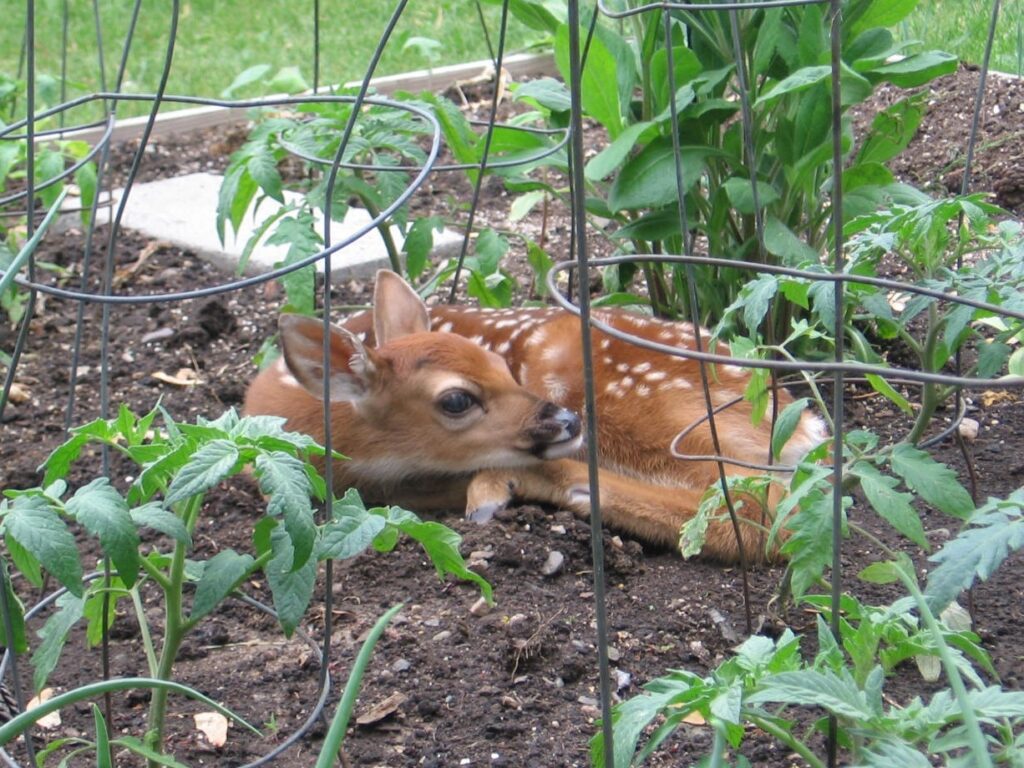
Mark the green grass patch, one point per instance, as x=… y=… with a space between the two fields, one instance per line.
x=218 y=39
x=961 y=27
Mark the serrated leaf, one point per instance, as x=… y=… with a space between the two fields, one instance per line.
x=349 y=533
x=153 y=515
x=63 y=456
x=206 y=468
x=220 y=575
x=757 y=298
x=786 y=424
x=262 y=167
x=823 y=688
x=441 y=544
x=42 y=533
x=419 y=242
x=934 y=482
x=283 y=478
x=975 y=553
x=53 y=636
x=103 y=513
x=890 y=504
x=292 y=588
x=809 y=547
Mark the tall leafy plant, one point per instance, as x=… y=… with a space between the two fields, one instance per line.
x=784 y=53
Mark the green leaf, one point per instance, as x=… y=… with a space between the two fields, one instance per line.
x=648 y=179
x=630 y=719
x=63 y=456
x=154 y=516
x=53 y=636
x=442 y=547
x=880 y=13
x=104 y=514
x=19 y=640
x=890 y=504
x=781 y=241
x=991 y=357
x=741 y=194
x=489 y=250
x=884 y=388
x=283 y=478
x=800 y=80
x=220 y=575
x=291 y=587
x=262 y=167
x=288 y=80
x=600 y=92
x=208 y=466
x=605 y=162
x=49 y=165
x=809 y=547
x=545 y=92
x=757 y=298
x=419 y=242
x=823 y=688
x=246 y=77
x=42 y=533
x=132 y=744
x=103 y=756
x=786 y=425
x=917 y=69
x=85 y=178
x=891 y=131
x=934 y=482
x=976 y=552
x=351 y=532
x=880 y=573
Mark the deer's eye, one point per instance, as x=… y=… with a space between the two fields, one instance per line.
x=456 y=402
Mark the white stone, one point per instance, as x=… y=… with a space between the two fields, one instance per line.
x=183 y=211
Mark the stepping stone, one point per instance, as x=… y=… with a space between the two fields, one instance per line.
x=183 y=211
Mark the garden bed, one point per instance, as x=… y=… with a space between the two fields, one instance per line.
x=516 y=686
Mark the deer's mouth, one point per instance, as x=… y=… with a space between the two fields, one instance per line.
x=569 y=446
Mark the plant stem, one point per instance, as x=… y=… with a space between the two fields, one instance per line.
x=786 y=738
x=147 y=638
x=975 y=737
x=929 y=391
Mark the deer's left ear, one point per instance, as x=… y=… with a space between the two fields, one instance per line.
x=353 y=372
x=397 y=309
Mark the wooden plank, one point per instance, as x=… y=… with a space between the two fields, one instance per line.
x=436 y=79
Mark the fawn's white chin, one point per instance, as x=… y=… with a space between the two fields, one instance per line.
x=563 y=448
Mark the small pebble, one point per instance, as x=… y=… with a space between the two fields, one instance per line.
x=402 y=665
x=969 y=429
x=480 y=608
x=553 y=565
x=441 y=636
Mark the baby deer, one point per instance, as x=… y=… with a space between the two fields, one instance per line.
x=464 y=407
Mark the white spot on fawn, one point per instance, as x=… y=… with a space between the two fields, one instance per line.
x=622 y=367
x=605 y=343
x=641 y=368
x=446 y=327
x=642 y=390
x=656 y=376
x=502 y=348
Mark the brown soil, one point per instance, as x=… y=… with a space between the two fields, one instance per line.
x=514 y=687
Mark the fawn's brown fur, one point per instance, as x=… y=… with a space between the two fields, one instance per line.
x=463 y=407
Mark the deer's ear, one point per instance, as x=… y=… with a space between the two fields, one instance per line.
x=352 y=369
x=397 y=309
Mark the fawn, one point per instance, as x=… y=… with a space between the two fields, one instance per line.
x=463 y=407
